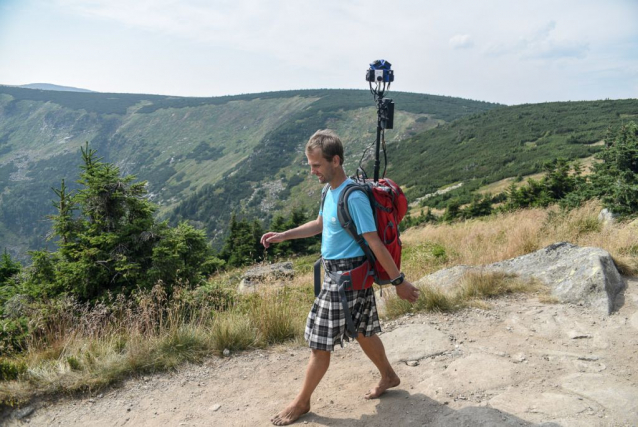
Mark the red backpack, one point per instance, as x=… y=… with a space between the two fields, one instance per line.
x=389 y=206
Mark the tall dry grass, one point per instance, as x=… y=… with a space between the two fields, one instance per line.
x=76 y=347
x=473 y=290
x=508 y=235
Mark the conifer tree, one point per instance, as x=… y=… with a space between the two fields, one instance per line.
x=8 y=268
x=615 y=179
x=114 y=243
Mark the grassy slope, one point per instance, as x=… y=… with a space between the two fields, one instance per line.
x=504 y=142
x=179 y=145
x=41 y=146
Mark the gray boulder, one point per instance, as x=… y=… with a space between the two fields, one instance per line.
x=448 y=277
x=578 y=275
x=259 y=274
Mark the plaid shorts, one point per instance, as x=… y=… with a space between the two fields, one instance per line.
x=326 y=323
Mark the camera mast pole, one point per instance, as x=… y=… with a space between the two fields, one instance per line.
x=377 y=162
x=381 y=74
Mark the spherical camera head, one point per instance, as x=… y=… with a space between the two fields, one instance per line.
x=380 y=70
x=381 y=74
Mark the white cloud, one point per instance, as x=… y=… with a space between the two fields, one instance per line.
x=461 y=41
x=541 y=44
x=524 y=51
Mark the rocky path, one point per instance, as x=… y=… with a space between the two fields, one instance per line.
x=520 y=363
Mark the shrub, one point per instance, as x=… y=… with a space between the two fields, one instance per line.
x=14 y=334
x=10 y=370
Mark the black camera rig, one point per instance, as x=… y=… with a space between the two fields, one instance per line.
x=381 y=75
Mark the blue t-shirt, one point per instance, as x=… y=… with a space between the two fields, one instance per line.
x=336 y=243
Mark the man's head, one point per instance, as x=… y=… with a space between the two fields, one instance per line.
x=328 y=142
x=324 y=151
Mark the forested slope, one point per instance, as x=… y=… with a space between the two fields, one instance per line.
x=183 y=147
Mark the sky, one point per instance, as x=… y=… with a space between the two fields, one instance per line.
x=506 y=51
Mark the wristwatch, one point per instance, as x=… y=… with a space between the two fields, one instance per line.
x=398 y=280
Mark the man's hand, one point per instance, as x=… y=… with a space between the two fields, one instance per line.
x=271 y=237
x=407 y=291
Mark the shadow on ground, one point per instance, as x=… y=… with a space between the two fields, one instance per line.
x=400 y=408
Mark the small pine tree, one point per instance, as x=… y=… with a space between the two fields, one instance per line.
x=113 y=243
x=8 y=268
x=615 y=179
x=240 y=247
x=452 y=211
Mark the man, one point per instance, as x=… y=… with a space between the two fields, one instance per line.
x=326 y=325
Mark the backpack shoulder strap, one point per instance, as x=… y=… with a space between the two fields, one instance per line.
x=323 y=195
x=346 y=221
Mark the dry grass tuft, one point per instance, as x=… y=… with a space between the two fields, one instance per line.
x=233 y=331
x=473 y=290
x=278 y=314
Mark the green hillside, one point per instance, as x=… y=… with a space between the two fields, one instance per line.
x=504 y=142
x=184 y=147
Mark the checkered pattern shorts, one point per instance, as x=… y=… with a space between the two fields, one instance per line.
x=326 y=323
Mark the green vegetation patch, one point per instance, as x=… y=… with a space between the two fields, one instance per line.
x=497 y=144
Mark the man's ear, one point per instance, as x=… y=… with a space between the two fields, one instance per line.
x=336 y=160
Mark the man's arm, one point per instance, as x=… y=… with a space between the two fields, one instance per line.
x=311 y=228
x=405 y=290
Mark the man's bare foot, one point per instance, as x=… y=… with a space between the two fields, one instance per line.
x=290 y=414
x=384 y=384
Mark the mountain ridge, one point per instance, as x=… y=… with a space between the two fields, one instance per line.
x=50 y=86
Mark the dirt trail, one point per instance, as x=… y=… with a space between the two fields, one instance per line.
x=520 y=363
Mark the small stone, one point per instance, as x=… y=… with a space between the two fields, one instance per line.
x=589 y=358
x=578 y=335
x=519 y=358
x=215 y=407
x=412 y=363
x=226 y=352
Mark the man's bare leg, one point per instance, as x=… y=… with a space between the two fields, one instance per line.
x=317 y=367
x=373 y=348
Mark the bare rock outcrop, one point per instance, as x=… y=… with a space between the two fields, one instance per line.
x=256 y=275
x=577 y=275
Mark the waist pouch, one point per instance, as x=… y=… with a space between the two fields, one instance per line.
x=357 y=279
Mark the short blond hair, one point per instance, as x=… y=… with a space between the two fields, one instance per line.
x=329 y=144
